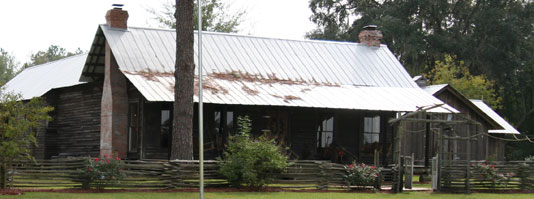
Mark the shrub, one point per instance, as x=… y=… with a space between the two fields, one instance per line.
x=489 y=172
x=251 y=162
x=100 y=173
x=361 y=174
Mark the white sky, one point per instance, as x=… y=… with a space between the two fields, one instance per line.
x=27 y=26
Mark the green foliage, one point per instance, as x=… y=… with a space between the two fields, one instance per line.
x=214 y=16
x=244 y=125
x=100 y=173
x=456 y=74
x=361 y=174
x=8 y=66
x=53 y=53
x=18 y=121
x=251 y=162
x=494 y=38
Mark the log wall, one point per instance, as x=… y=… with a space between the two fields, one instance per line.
x=75 y=128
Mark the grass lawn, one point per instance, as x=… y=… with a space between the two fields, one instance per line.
x=263 y=195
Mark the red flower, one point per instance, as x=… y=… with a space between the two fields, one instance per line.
x=118 y=158
x=372 y=167
x=96 y=159
x=492 y=166
x=350 y=166
x=107 y=161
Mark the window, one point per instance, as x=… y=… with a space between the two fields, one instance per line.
x=228 y=123
x=325 y=132
x=165 y=128
x=217 y=121
x=371 y=131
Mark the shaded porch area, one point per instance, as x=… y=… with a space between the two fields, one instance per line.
x=338 y=135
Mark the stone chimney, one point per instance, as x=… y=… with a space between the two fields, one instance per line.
x=116 y=17
x=370 y=36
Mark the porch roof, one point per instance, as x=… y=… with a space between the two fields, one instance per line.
x=507 y=128
x=249 y=70
x=221 y=90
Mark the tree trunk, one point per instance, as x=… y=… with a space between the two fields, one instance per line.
x=182 y=139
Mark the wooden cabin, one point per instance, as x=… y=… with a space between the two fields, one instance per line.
x=322 y=99
x=486 y=143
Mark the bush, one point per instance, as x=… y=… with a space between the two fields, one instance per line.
x=489 y=172
x=100 y=173
x=251 y=162
x=361 y=174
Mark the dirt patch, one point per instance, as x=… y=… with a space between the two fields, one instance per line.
x=11 y=192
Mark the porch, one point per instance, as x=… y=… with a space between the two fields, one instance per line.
x=309 y=133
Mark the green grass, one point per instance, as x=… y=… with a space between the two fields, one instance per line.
x=265 y=195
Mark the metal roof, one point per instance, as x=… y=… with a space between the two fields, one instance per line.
x=37 y=80
x=433 y=89
x=312 y=73
x=507 y=127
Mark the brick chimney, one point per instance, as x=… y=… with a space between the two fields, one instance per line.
x=370 y=36
x=116 y=17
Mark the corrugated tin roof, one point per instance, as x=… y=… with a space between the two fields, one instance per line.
x=345 y=75
x=433 y=89
x=37 y=80
x=222 y=90
x=507 y=127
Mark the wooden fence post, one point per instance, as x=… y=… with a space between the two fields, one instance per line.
x=468 y=165
x=378 y=183
x=323 y=182
x=523 y=177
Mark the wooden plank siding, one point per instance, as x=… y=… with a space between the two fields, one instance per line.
x=75 y=128
x=415 y=133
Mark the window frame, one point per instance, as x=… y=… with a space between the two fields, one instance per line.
x=321 y=131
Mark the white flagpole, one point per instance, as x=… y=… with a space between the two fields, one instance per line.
x=200 y=104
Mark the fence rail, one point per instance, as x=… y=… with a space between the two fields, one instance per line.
x=164 y=174
x=516 y=175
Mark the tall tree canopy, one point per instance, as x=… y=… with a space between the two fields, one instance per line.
x=455 y=73
x=492 y=37
x=214 y=16
x=8 y=66
x=53 y=53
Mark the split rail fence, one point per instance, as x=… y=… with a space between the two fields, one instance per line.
x=164 y=174
x=457 y=176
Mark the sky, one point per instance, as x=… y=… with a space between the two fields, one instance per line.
x=27 y=26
